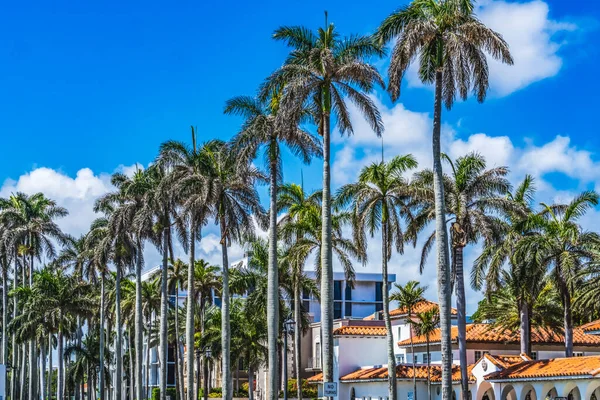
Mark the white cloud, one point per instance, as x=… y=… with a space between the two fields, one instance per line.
x=532 y=37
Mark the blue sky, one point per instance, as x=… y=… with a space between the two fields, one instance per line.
x=92 y=87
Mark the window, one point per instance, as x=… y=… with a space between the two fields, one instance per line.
x=337 y=290
x=348 y=312
x=399 y=358
x=534 y=355
x=399 y=332
x=348 y=292
x=578 y=354
x=318 y=355
x=426 y=358
x=477 y=355
x=337 y=310
x=378 y=291
x=378 y=307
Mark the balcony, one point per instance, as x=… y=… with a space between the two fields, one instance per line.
x=314 y=364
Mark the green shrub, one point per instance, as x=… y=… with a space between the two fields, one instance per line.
x=308 y=390
x=171 y=391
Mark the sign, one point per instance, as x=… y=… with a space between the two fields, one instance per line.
x=2 y=381
x=330 y=389
x=411 y=396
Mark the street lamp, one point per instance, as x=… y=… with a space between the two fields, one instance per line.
x=288 y=328
x=207 y=354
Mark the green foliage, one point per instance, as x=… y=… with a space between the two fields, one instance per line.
x=171 y=392
x=308 y=390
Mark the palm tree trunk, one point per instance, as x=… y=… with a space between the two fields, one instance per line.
x=178 y=356
x=23 y=370
x=386 y=308
x=441 y=241
x=139 y=323
x=273 y=286
x=250 y=383
x=32 y=348
x=189 y=317
x=60 y=387
x=102 y=346
x=428 y=371
x=42 y=370
x=4 y=359
x=49 y=382
x=163 y=316
x=326 y=257
x=148 y=368
x=119 y=337
x=524 y=328
x=205 y=371
x=15 y=361
x=412 y=352
x=461 y=308
x=568 y=322
x=298 y=335
x=225 y=328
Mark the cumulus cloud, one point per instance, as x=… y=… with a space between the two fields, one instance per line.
x=535 y=40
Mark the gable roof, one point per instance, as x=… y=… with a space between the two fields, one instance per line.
x=505 y=361
x=357 y=330
x=404 y=371
x=591 y=326
x=557 y=367
x=487 y=333
x=422 y=306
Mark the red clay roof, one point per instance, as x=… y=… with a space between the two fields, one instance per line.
x=505 y=361
x=351 y=330
x=405 y=371
x=318 y=378
x=420 y=307
x=591 y=326
x=557 y=367
x=486 y=333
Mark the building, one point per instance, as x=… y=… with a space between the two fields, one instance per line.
x=496 y=369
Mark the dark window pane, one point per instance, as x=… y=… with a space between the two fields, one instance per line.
x=170 y=374
x=337 y=290
x=378 y=291
x=171 y=354
x=306 y=305
x=337 y=310
x=378 y=306
x=348 y=309
x=348 y=292
x=305 y=294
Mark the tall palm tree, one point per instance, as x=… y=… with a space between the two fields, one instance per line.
x=233 y=203
x=475 y=197
x=563 y=247
x=187 y=179
x=378 y=201
x=450 y=42
x=408 y=296
x=425 y=324
x=177 y=272
x=260 y=132
x=321 y=71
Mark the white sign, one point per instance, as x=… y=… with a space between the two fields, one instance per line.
x=330 y=389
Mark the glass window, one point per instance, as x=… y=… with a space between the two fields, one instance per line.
x=337 y=290
x=337 y=310
x=578 y=354
x=477 y=355
x=378 y=291
x=378 y=307
x=348 y=312
x=306 y=305
x=534 y=355
x=348 y=292
x=170 y=374
x=400 y=358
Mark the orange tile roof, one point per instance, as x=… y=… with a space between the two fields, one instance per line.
x=351 y=330
x=420 y=307
x=405 y=371
x=591 y=326
x=486 y=333
x=557 y=367
x=318 y=378
x=505 y=361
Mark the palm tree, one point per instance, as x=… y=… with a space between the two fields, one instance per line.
x=187 y=180
x=321 y=70
x=450 y=42
x=562 y=246
x=379 y=200
x=177 y=272
x=427 y=322
x=408 y=296
x=233 y=203
x=260 y=132
x=522 y=294
x=474 y=198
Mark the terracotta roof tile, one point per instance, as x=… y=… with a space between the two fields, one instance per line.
x=422 y=306
x=405 y=371
x=318 y=378
x=351 y=330
x=486 y=333
x=591 y=326
x=505 y=361
x=572 y=366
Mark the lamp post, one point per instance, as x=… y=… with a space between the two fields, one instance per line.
x=288 y=327
x=207 y=355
